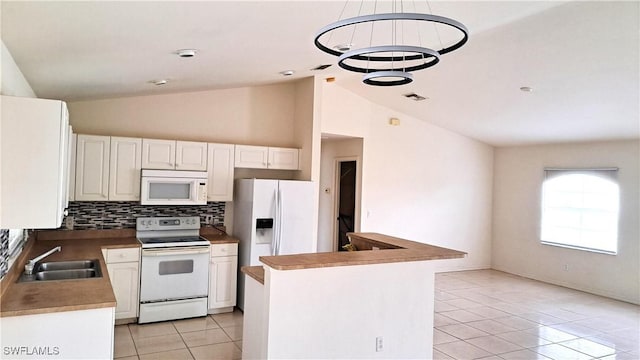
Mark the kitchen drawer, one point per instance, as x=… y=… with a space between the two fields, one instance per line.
x=224 y=250
x=123 y=255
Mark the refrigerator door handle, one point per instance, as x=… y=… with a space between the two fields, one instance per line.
x=280 y=220
x=276 y=225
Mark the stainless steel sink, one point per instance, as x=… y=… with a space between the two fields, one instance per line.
x=66 y=274
x=67 y=265
x=64 y=270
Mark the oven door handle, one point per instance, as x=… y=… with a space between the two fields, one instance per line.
x=174 y=252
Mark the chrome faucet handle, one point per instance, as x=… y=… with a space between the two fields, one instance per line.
x=28 y=267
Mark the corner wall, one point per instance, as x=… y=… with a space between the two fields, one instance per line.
x=419 y=182
x=519 y=172
x=12 y=81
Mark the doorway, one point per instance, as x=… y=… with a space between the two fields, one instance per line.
x=345 y=200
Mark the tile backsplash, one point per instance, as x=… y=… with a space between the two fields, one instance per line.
x=97 y=215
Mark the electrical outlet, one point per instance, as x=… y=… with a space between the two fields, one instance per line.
x=68 y=222
x=379 y=344
x=208 y=219
x=566 y=267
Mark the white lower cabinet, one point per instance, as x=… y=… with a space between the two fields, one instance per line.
x=79 y=334
x=223 y=278
x=123 y=266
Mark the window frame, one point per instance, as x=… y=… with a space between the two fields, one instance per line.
x=610 y=173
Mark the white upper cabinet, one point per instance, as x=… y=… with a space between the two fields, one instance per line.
x=221 y=169
x=92 y=168
x=191 y=155
x=124 y=168
x=34 y=155
x=262 y=157
x=252 y=157
x=283 y=158
x=158 y=154
x=172 y=154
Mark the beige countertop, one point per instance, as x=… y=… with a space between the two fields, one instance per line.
x=27 y=298
x=256 y=272
x=392 y=249
x=68 y=295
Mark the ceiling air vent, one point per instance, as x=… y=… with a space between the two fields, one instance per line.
x=415 y=97
x=321 y=67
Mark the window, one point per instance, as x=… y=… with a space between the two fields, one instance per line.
x=580 y=209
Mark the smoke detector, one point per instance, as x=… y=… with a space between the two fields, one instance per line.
x=159 y=82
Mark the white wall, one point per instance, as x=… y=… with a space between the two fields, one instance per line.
x=331 y=150
x=12 y=81
x=261 y=115
x=338 y=312
x=419 y=181
x=516 y=218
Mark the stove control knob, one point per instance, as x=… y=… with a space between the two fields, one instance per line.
x=142 y=222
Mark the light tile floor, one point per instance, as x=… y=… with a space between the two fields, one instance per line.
x=487 y=314
x=483 y=314
x=211 y=337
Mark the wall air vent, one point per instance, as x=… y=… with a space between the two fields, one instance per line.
x=415 y=97
x=321 y=67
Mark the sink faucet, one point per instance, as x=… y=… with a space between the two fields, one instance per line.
x=28 y=268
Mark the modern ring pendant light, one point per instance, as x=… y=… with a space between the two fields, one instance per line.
x=387 y=62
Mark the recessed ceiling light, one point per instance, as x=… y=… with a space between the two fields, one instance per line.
x=287 y=72
x=526 y=89
x=159 y=82
x=186 y=53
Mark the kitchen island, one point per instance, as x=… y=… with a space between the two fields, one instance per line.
x=372 y=303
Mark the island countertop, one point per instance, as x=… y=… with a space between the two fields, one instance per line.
x=391 y=249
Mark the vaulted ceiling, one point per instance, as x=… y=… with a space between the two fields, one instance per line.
x=580 y=58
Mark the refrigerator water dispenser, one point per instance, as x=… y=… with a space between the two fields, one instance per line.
x=264 y=231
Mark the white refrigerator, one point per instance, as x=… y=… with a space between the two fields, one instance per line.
x=272 y=217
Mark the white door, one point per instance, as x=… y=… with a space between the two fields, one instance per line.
x=296 y=217
x=125 y=279
x=191 y=155
x=252 y=157
x=158 y=154
x=220 y=171
x=124 y=169
x=222 y=281
x=283 y=158
x=92 y=168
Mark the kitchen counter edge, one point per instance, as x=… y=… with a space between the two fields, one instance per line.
x=392 y=249
x=65 y=295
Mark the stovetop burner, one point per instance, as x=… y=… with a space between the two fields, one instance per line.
x=161 y=232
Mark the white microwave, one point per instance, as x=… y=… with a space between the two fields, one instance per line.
x=173 y=187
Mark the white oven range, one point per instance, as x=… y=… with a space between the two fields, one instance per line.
x=174 y=276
